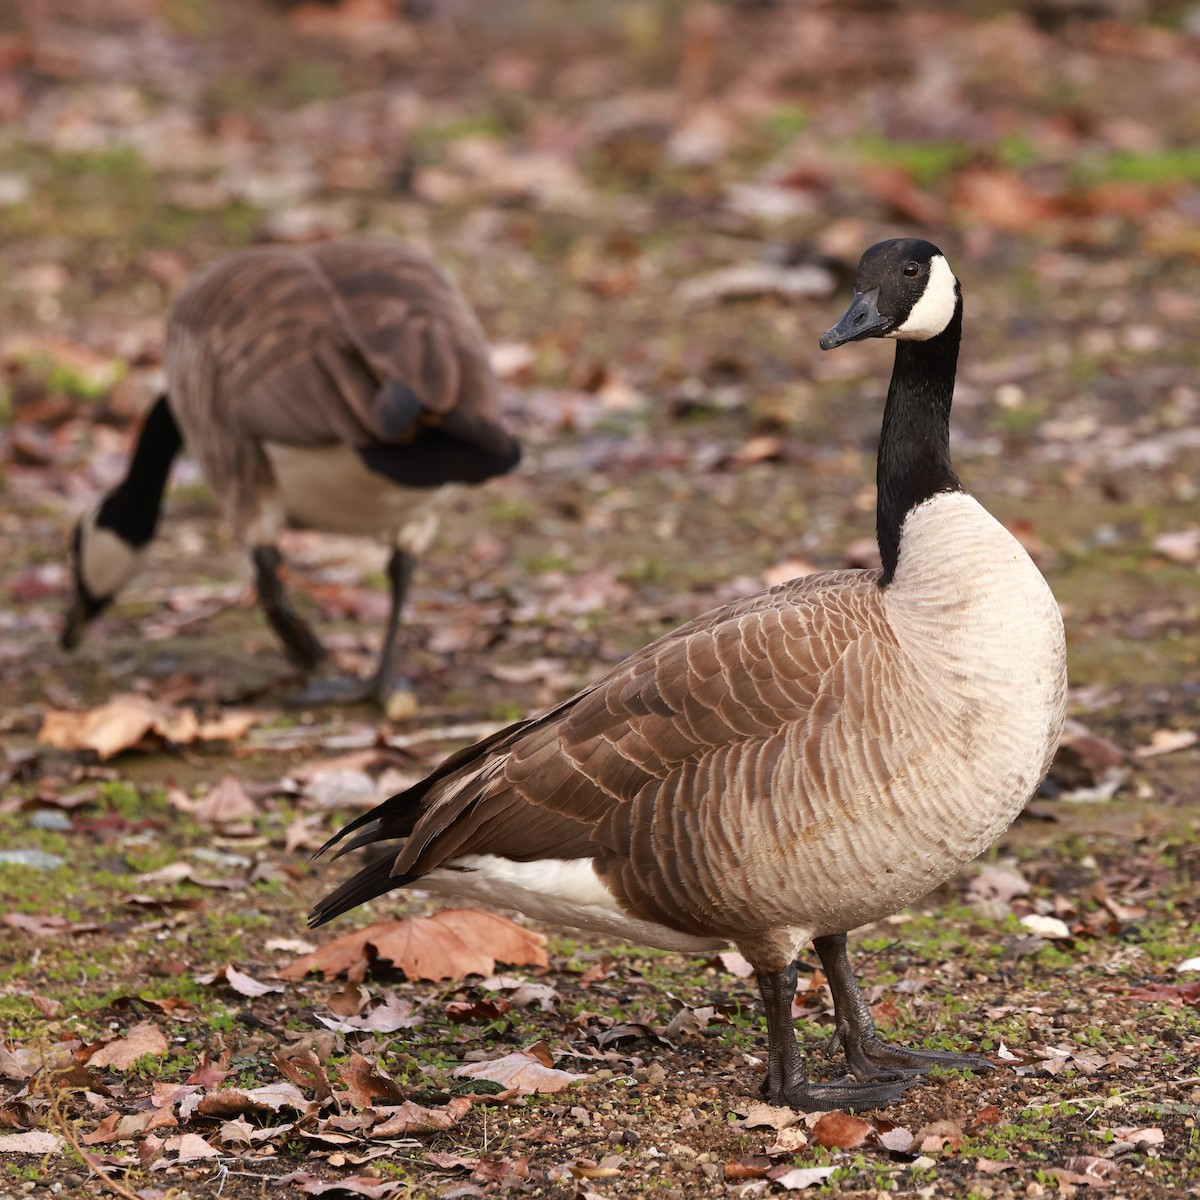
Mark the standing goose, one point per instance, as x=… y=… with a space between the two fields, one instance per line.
x=335 y=386
x=791 y=766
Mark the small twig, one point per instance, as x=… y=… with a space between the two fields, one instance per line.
x=1191 y=1081
x=89 y=1160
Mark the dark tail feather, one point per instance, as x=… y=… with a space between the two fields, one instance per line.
x=373 y=880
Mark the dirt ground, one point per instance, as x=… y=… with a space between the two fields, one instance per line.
x=655 y=208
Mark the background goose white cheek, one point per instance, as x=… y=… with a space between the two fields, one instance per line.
x=933 y=311
x=107 y=562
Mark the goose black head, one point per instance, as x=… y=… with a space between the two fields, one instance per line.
x=904 y=290
x=102 y=563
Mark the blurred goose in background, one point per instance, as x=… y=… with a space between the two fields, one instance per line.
x=335 y=386
x=788 y=767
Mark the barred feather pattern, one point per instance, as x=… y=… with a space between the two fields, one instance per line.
x=798 y=763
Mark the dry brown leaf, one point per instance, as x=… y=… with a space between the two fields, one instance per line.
x=117 y=725
x=450 y=944
x=227 y=803
x=301 y=1065
x=387 y=1017
x=365 y=1081
x=230 y=1102
x=209 y=1074
x=521 y=1070
x=120 y=1055
x=190 y=1147
x=408 y=1118
x=840 y=1131
x=46 y=926
x=242 y=983
x=787 y=1142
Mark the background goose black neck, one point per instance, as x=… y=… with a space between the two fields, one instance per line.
x=914 y=447
x=131 y=509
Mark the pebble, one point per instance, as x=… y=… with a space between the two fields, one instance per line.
x=50 y=818
x=37 y=860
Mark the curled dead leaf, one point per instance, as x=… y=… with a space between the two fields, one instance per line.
x=521 y=1070
x=121 y=1054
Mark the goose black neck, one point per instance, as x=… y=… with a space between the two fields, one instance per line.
x=131 y=509
x=914 y=447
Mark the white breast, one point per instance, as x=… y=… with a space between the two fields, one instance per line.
x=329 y=488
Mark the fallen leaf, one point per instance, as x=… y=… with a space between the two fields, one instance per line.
x=354 y=1185
x=1166 y=741
x=121 y=1054
x=773 y=1116
x=799 y=1178
x=230 y=1102
x=735 y=964
x=191 y=1147
x=521 y=1070
x=393 y=1014
x=409 y=1118
x=117 y=725
x=754 y=1167
x=35 y=1142
x=897 y=1139
x=366 y=1082
x=245 y=985
x=47 y=926
x=208 y=1074
x=1181 y=546
x=788 y=1141
x=450 y=944
x=1046 y=927
x=226 y=804
x=840 y=1131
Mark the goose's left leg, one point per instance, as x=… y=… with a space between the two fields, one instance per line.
x=867 y=1056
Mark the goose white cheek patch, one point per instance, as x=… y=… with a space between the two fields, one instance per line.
x=107 y=562
x=931 y=314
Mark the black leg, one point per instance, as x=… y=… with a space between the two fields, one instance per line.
x=400 y=572
x=787 y=1079
x=868 y=1057
x=299 y=641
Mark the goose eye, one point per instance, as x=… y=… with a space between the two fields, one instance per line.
x=911 y=269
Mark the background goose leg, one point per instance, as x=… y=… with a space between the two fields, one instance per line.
x=299 y=642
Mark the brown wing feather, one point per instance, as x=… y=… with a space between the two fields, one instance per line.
x=302 y=340
x=674 y=747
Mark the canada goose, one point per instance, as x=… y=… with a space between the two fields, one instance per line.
x=335 y=386
x=791 y=766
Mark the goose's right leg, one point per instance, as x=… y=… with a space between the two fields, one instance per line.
x=787 y=1079
x=299 y=641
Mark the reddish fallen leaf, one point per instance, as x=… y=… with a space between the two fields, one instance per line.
x=521 y=1070
x=408 y=1118
x=993 y=1166
x=226 y=804
x=1065 y=1175
x=755 y=1167
x=209 y=1074
x=840 y=1131
x=121 y=1054
x=459 y=1012
x=117 y=725
x=305 y=1070
x=1170 y=993
x=450 y=944
x=938 y=1135
x=47 y=1006
x=989 y=1114
x=242 y=983
x=366 y=1081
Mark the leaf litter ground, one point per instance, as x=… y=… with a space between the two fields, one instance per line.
x=654 y=274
